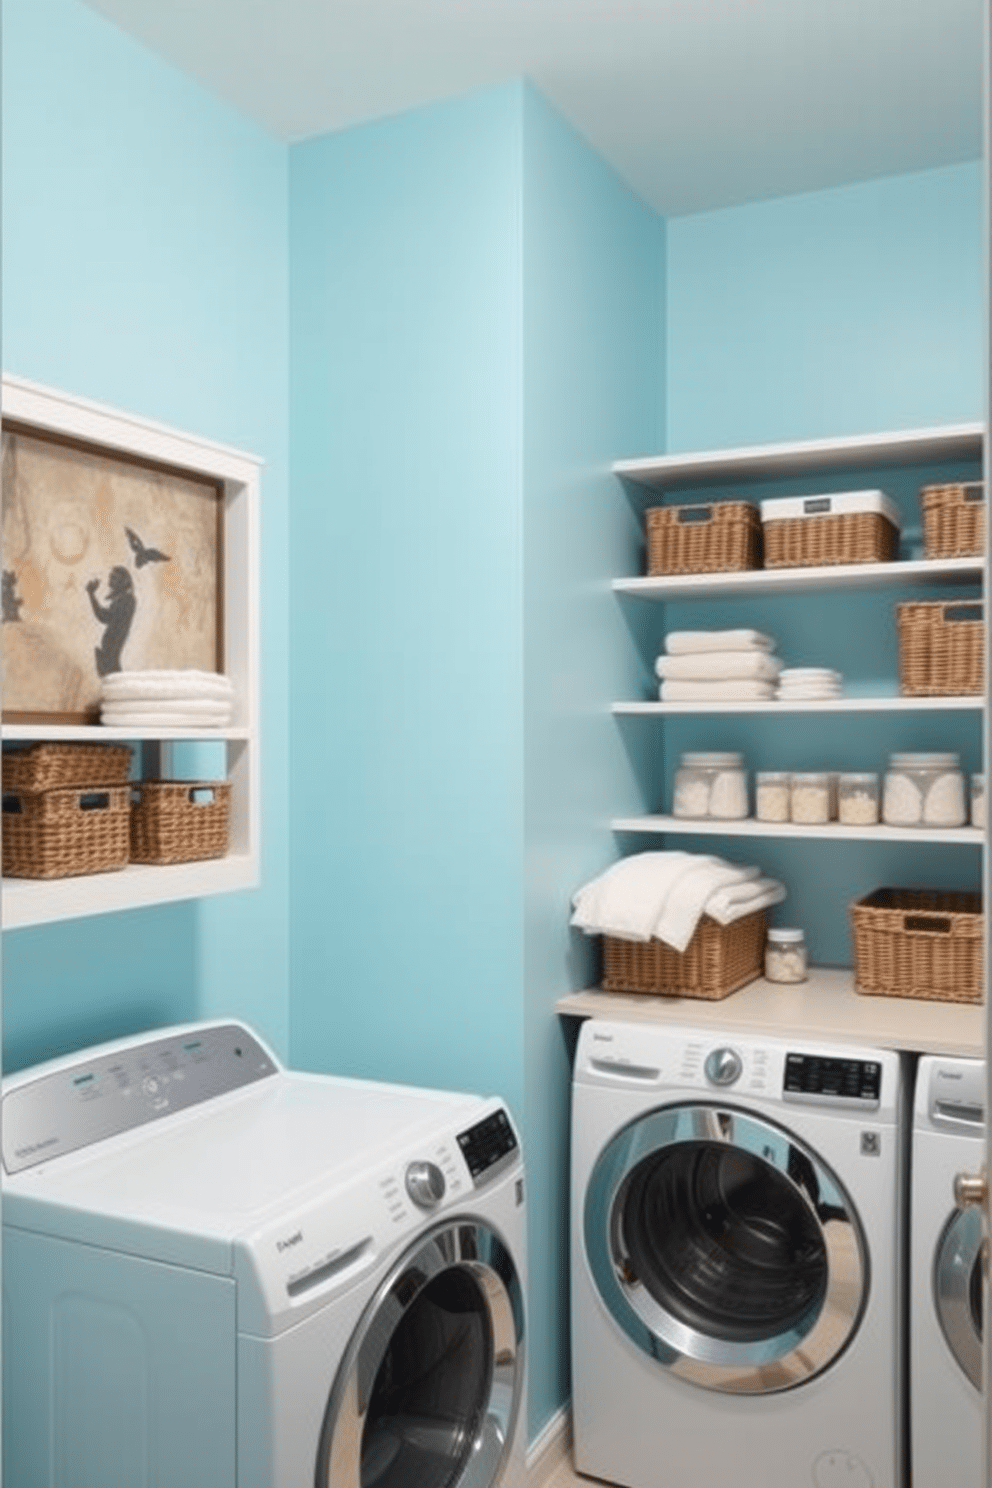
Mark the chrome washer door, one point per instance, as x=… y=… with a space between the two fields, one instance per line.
x=957 y=1289
x=429 y=1389
x=725 y=1249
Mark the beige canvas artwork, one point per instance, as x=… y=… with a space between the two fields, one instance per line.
x=108 y=566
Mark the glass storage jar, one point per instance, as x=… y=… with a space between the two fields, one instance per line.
x=924 y=790
x=771 y=795
x=811 y=796
x=711 y=784
x=978 y=800
x=857 y=798
x=785 y=956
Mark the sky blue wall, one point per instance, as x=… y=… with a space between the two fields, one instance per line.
x=145 y=266
x=832 y=313
x=476 y=327
x=847 y=311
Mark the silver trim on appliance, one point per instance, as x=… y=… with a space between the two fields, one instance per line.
x=462 y=1440
x=957 y=1290
x=725 y=1249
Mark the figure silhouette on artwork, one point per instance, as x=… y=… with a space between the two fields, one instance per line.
x=115 y=616
x=12 y=602
x=143 y=555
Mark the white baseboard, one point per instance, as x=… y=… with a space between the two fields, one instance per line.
x=551 y=1446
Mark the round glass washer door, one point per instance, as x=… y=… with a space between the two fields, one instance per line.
x=725 y=1249
x=429 y=1389
x=957 y=1287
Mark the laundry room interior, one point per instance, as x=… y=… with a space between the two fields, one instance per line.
x=436 y=331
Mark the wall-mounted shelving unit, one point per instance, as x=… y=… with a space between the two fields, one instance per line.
x=23 y=901
x=828 y=1002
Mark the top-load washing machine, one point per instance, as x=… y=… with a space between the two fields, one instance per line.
x=735 y=1259
x=219 y=1273
x=945 y=1337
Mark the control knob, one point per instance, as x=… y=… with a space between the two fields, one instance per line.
x=425 y=1184
x=723 y=1066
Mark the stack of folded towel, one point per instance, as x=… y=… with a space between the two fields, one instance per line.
x=795 y=684
x=663 y=896
x=717 y=666
x=167 y=699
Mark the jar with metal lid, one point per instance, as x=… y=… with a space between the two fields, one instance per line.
x=771 y=795
x=711 y=784
x=811 y=795
x=978 y=800
x=924 y=790
x=785 y=956
x=857 y=798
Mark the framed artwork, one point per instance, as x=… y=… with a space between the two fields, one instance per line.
x=109 y=565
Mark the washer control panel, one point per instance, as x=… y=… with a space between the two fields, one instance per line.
x=487 y=1146
x=819 y=1079
x=100 y=1095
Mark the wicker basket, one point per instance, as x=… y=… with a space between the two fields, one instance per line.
x=66 y=832
x=717 y=961
x=54 y=766
x=179 y=821
x=814 y=531
x=941 y=648
x=924 y=943
x=953 y=520
x=713 y=537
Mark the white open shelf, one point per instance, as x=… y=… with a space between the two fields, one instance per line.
x=26 y=902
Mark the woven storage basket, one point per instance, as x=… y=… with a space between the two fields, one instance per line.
x=713 y=537
x=66 y=832
x=717 y=960
x=953 y=520
x=53 y=766
x=844 y=537
x=924 y=943
x=180 y=821
x=941 y=648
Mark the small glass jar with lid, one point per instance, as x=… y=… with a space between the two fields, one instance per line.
x=924 y=790
x=771 y=795
x=711 y=784
x=858 y=798
x=785 y=956
x=811 y=794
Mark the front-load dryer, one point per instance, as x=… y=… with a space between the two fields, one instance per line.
x=219 y=1273
x=945 y=1316
x=735 y=1259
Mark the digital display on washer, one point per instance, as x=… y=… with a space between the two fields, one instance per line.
x=814 y=1077
x=487 y=1143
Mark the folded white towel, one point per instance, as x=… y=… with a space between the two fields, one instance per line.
x=202 y=707
x=743 y=690
x=627 y=898
x=698 y=666
x=679 y=642
x=171 y=718
x=734 y=901
x=686 y=902
x=157 y=685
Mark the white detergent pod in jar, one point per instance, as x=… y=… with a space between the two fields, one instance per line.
x=924 y=790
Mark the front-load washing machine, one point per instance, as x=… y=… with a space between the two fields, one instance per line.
x=219 y=1273
x=735 y=1259
x=945 y=1314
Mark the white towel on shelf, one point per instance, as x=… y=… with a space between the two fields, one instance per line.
x=742 y=691
x=164 y=717
x=162 y=685
x=686 y=902
x=699 y=666
x=734 y=901
x=681 y=642
x=195 y=707
x=626 y=899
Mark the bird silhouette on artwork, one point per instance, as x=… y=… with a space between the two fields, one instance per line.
x=143 y=555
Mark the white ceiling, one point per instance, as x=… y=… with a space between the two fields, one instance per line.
x=697 y=103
